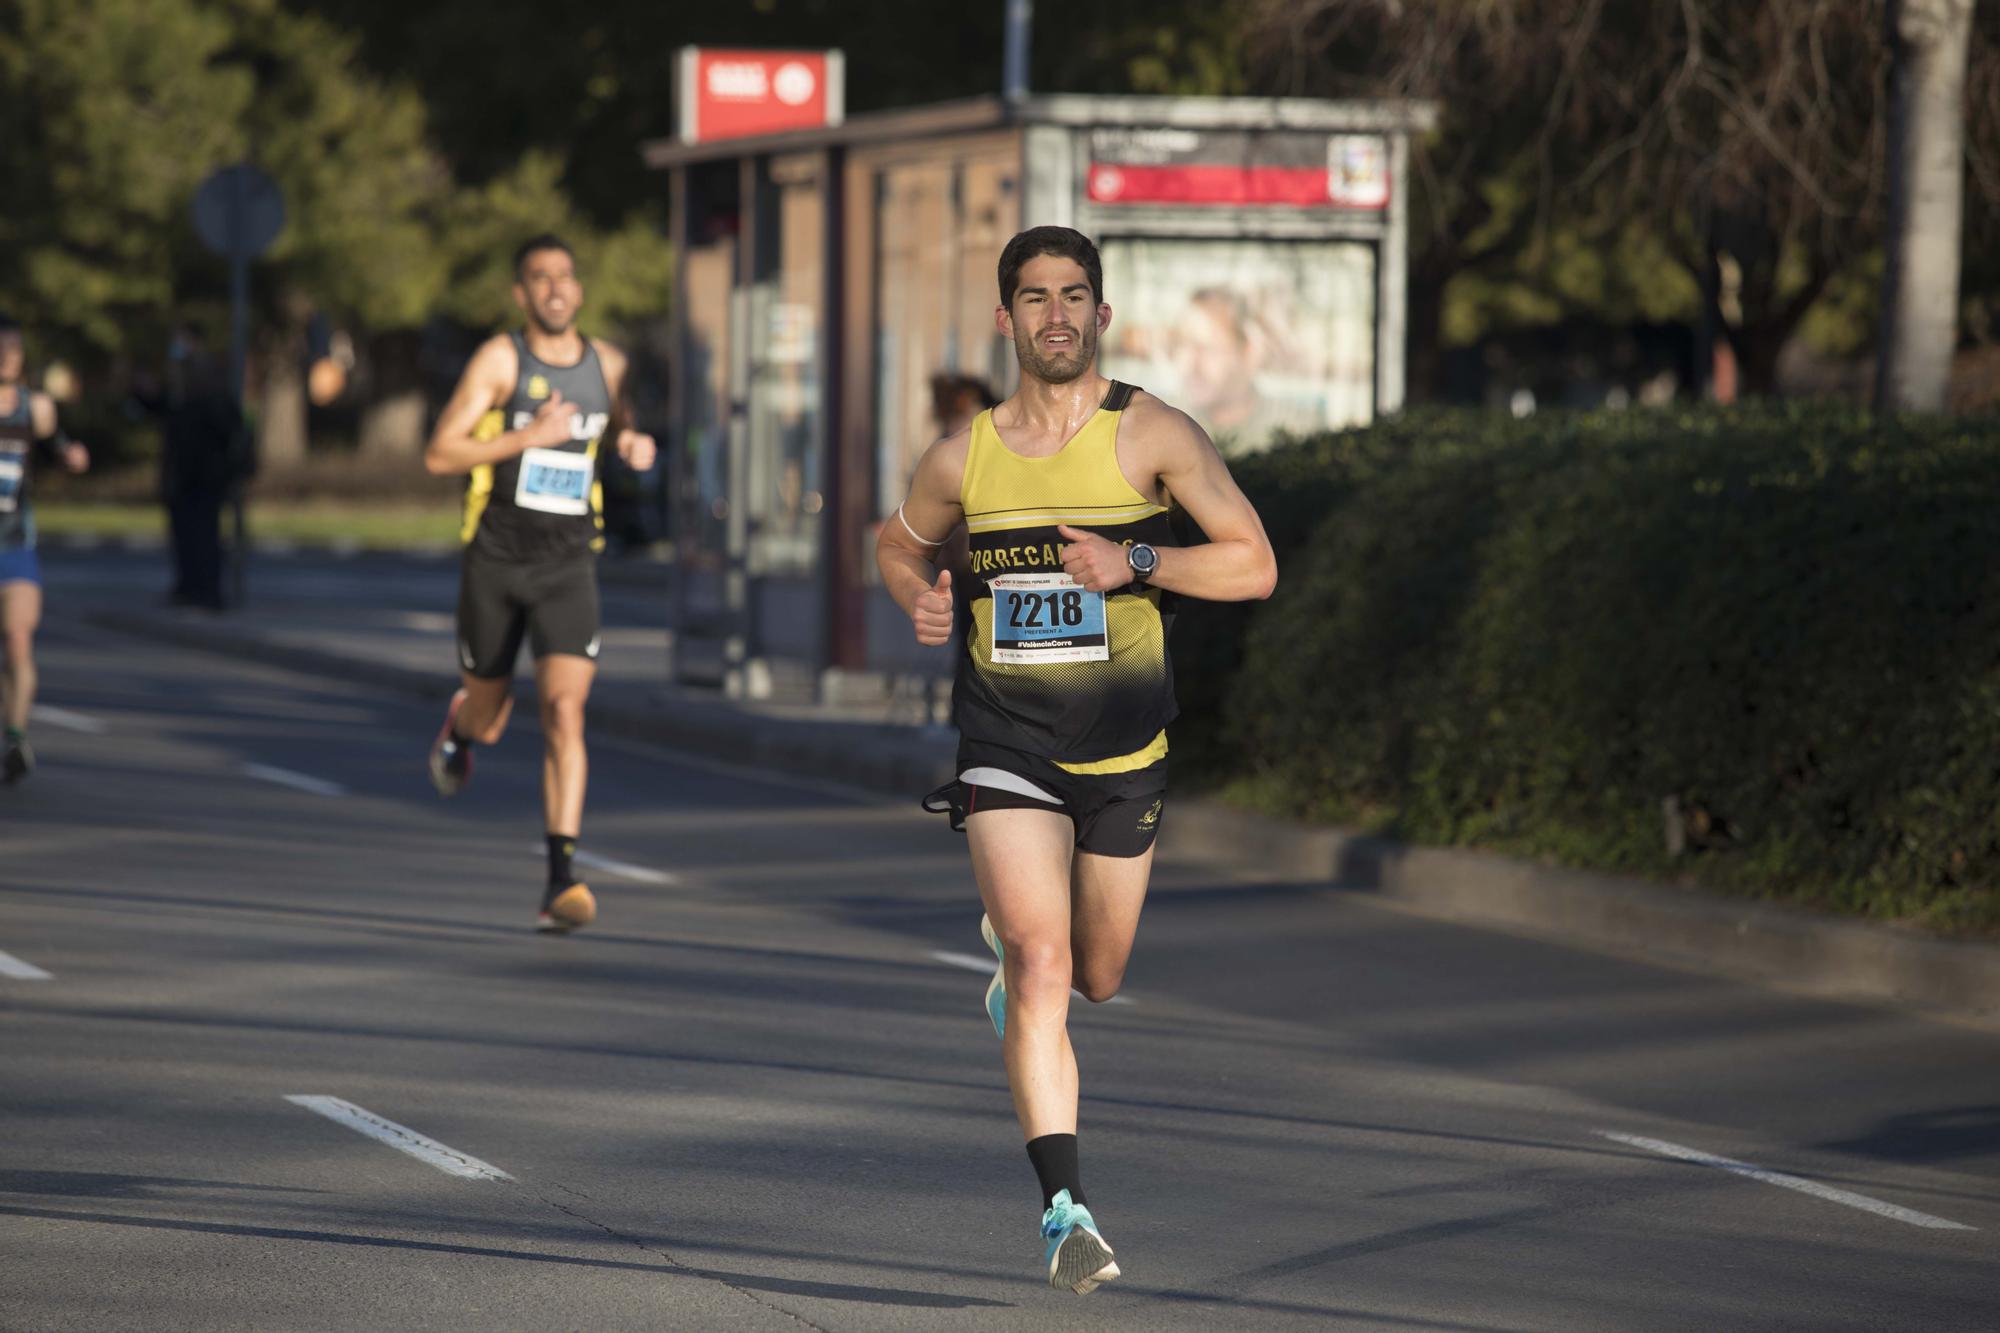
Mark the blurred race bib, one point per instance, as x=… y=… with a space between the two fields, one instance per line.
x=555 y=481
x=1040 y=618
x=11 y=472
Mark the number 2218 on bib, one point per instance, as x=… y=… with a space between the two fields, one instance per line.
x=1042 y=618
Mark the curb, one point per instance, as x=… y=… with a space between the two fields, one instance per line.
x=1795 y=948
x=1766 y=943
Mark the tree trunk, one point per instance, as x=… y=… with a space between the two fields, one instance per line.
x=1929 y=41
x=281 y=415
x=1423 y=356
x=392 y=424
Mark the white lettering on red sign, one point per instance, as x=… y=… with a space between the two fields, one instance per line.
x=737 y=80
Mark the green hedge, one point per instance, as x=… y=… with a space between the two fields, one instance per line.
x=1528 y=635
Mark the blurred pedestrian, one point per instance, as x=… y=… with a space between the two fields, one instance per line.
x=955 y=400
x=28 y=426
x=201 y=457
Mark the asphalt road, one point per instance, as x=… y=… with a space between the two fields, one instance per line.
x=762 y=1092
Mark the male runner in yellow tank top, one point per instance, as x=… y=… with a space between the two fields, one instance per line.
x=1065 y=690
x=524 y=427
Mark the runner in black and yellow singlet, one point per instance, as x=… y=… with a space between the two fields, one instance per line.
x=27 y=428
x=1065 y=689
x=526 y=427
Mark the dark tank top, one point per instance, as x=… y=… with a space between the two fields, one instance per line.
x=17 y=443
x=543 y=503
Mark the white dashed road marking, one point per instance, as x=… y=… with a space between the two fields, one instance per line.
x=284 y=777
x=62 y=717
x=623 y=869
x=1779 y=1178
x=974 y=963
x=362 y=1121
x=10 y=966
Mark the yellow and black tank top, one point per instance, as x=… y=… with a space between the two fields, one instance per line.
x=542 y=504
x=1050 y=670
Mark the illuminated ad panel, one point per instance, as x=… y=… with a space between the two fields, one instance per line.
x=1237 y=168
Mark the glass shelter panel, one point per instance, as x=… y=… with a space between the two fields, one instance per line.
x=783 y=486
x=1248 y=336
x=942 y=221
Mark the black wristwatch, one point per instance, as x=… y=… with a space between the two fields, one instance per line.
x=1143 y=559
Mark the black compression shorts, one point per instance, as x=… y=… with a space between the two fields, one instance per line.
x=552 y=603
x=1115 y=814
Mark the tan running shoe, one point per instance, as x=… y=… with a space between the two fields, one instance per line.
x=566 y=911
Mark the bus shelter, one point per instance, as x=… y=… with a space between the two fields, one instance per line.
x=1254 y=259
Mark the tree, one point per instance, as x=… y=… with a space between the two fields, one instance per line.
x=1929 y=43
x=1744 y=139
x=115 y=113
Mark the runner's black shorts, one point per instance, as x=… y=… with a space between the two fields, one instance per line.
x=551 y=603
x=1115 y=814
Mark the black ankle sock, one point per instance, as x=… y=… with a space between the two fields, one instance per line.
x=561 y=848
x=1054 y=1156
x=458 y=740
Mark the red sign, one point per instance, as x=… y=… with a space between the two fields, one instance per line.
x=1220 y=168
x=730 y=94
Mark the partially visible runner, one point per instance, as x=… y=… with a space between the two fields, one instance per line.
x=525 y=426
x=27 y=426
x=1065 y=690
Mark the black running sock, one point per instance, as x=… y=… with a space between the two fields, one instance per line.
x=456 y=739
x=1054 y=1156
x=561 y=848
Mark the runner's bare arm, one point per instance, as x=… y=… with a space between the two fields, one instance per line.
x=907 y=546
x=1235 y=566
x=634 y=446
x=48 y=431
x=455 y=448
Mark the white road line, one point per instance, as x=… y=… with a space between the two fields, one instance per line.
x=1779 y=1178
x=624 y=869
x=448 y=1160
x=62 y=717
x=10 y=966
x=284 y=777
x=974 y=963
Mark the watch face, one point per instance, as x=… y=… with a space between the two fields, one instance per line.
x=1144 y=559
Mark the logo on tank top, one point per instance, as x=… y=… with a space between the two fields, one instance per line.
x=538 y=386
x=582 y=425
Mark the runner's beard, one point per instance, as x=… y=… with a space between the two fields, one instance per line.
x=1054 y=370
x=554 y=328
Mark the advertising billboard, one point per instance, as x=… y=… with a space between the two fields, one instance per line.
x=731 y=94
x=1248 y=336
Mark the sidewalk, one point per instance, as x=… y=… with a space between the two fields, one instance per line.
x=387 y=620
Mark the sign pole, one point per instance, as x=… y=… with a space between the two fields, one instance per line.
x=239 y=355
x=238 y=212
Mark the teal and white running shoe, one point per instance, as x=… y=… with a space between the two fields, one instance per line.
x=996 y=990
x=1077 y=1256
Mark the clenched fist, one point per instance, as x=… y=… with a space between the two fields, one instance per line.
x=551 y=426
x=931 y=612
